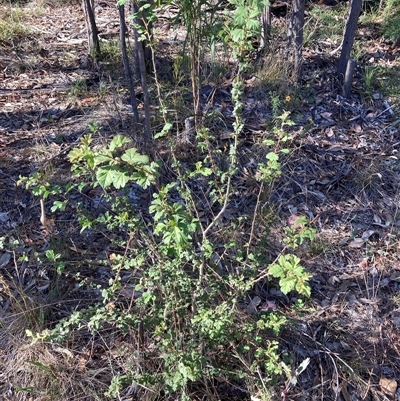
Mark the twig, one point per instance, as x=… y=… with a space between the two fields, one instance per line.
x=254 y=216
x=228 y=188
x=208 y=228
x=336 y=50
x=43 y=218
x=384 y=111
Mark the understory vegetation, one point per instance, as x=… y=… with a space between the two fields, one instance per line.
x=247 y=249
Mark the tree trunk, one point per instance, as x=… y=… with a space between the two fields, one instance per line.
x=125 y=60
x=348 y=36
x=348 y=79
x=143 y=79
x=296 y=32
x=265 y=27
x=91 y=28
x=147 y=27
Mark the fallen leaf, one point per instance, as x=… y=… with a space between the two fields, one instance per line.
x=395 y=276
x=357 y=243
x=377 y=219
x=256 y=301
x=388 y=219
x=5 y=258
x=367 y=234
x=346 y=346
x=252 y=307
x=292 y=220
x=388 y=386
x=330 y=133
x=344 y=392
x=373 y=272
x=269 y=305
x=367 y=301
x=128 y=291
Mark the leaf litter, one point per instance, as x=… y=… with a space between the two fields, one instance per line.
x=343 y=173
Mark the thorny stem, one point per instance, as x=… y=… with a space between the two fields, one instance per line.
x=233 y=160
x=208 y=228
x=156 y=80
x=220 y=213
x=254 y=218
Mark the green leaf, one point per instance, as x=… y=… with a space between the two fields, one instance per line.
x=303 y=289
x=275 y=270
x=145 y=6
x=205 y=171
x=269 y=142
x=238 y=35
x=112 y=175
x=102 y=158
x=40 y=365
x=287 y=284
x=58 y=205
x=117 y=142
x=299 y=270
x=132 y=156
x=272 y=156
x=164 y=131
x=29 y=389
x=142 y=179
x=75 y=155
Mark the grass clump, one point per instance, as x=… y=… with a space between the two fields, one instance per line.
x=12 y=25
x=391 y=20
x=35 y=369
x=324 y=24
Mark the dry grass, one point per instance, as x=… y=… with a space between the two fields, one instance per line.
x=33 y=369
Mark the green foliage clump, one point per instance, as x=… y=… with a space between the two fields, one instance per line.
x=12 y=24
x=190 y=309
x=391 y=20
x=189 y=289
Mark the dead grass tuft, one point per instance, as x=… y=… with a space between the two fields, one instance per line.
x=39 y=370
